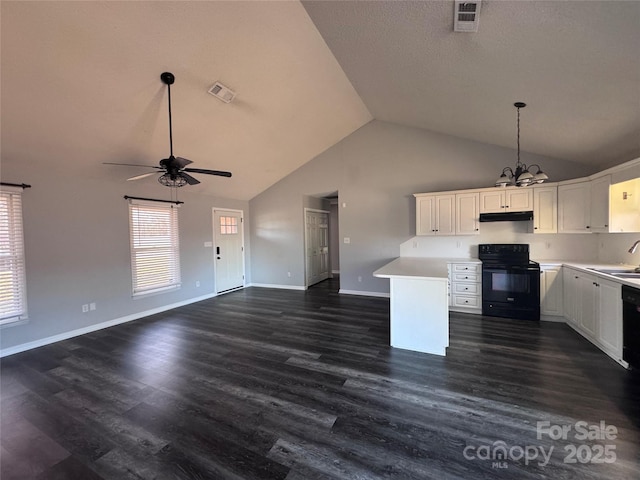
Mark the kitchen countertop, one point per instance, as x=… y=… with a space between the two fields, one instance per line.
x=588 y=268
x=436 y=268
x=415 y=267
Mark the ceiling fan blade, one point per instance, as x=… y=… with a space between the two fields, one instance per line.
x=190 y=180
x=220 y=173
x=131 y=165
x=138 y=177
x=182 y=162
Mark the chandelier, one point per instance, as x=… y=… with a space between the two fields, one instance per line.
x=520 y=176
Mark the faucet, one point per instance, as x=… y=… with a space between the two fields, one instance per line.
x=633 y=250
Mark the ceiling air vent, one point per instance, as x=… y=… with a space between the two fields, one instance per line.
x=221 y=92
x=466 y=16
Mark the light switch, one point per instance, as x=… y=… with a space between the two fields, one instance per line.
x=347 y=240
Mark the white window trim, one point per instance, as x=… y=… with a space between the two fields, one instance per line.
x=173 y=275
x=16 y=238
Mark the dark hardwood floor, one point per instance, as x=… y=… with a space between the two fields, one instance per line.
x=274 y=384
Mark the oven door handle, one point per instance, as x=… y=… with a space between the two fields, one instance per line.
x=510 y=268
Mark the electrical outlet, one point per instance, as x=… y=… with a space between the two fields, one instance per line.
x=347 y=240
x=415 y=244
x=548 y=245
x=360 y=279
x=458 y=244
x=85 y=308
x=197 y=283
x=92 y=306
x=289 y=274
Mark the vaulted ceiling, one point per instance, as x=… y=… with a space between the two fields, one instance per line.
x=80 y=81
x=575 y=63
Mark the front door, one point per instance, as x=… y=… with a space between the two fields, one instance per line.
x=228 y=249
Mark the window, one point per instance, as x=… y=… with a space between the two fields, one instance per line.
x=228 y=225
x=155 y=256
x=13 y=291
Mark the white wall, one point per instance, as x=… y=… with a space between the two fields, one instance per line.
x=375 y=170
x=77 y=249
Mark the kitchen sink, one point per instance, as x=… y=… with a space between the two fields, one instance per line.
x=626 y=275
x=616 y=271
x=619 y=272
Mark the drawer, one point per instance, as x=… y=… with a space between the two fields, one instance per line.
x=465 y=267
x=466 y=288
x=466 y=301
x=466 y=277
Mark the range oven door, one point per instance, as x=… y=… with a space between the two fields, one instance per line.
x=511 y=291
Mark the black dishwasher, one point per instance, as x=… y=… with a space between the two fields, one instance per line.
x=631 y=325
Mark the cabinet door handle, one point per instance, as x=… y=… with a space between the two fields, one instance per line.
x=587 y=226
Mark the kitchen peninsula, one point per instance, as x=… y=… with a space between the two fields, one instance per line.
x=419 y=303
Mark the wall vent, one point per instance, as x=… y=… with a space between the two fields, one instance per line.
x=221 y=92
x=466 y=16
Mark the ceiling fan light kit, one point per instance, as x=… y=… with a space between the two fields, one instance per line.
x=520 y=175
x=174 y=169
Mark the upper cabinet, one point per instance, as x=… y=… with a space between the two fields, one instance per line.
x=624 y=206
x=467 y=213
x=506 y=200
x=574 y=201
x=435 y=214
x=447 y=214
x=600 y=203
x=545 y=209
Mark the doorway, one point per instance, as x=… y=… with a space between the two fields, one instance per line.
x=228 y=249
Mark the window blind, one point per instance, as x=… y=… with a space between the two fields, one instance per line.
x=155 y=256
x=13 y=291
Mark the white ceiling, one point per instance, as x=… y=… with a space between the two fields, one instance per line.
x=575 y=63
x=80 y=81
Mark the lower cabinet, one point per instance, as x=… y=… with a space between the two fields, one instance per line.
x=465 y=287
x=593 y=307
x=551 y=298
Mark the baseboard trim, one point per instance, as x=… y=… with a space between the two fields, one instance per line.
x=364 y=294
x=273 y=285
x=23 y=347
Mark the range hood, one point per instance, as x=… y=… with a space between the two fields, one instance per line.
x=506 y=217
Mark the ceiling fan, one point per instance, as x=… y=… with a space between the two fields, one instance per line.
x=175 y=171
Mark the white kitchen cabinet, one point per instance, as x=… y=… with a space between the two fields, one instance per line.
x=570 y=295
x=588 y=307
x=574 y=202
x=579 y=302
x=465 y=280
x=600 y=204
x=435 y=214
x=545 y=209
x=467 y=213
x=593 y=306
x=506 y=200
x=551 y=295
x=610 y=317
